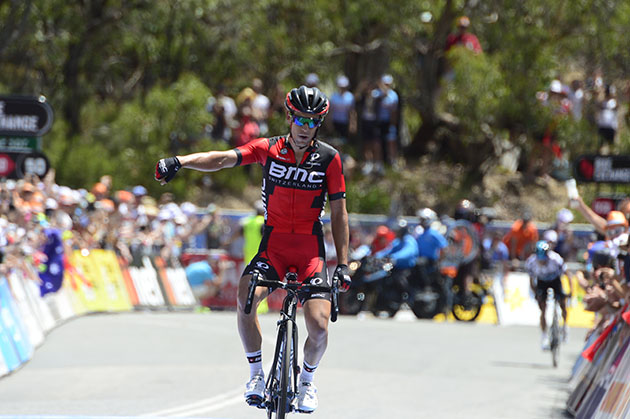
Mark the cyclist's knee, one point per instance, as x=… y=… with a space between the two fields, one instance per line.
x=316 y=313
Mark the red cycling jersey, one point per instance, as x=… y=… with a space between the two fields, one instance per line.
x=295 y=194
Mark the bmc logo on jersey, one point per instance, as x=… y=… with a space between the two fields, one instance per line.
x=295 y=174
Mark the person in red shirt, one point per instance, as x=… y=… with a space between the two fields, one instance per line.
x=463 y=37
x=299 y=173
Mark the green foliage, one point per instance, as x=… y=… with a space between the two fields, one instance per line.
x=476 y=95
x=124 y=77
x=374 y=200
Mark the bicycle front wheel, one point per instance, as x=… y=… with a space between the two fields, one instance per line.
x=554 y=340
x=284 y=404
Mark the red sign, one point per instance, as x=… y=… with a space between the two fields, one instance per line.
x=602 y=206
x=6 y=165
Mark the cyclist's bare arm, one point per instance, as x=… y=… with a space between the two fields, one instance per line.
x=209 y=161
x=340 y=230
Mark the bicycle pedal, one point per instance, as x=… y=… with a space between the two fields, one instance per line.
x=255 y=401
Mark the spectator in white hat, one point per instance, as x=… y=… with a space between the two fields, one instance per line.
x=564 y=236
x=311 y=80
x=342 y=110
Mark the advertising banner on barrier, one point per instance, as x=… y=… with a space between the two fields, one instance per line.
x=617 y=395
x=10 y=358
x=60 y=304
x=33 y=328
x=112 y=279
x=104 y=289
x=145 y=281
x=516 y=304
x=13 y=323
x=182 y=294
x=4 y=370
x=8 y=352
x=128 y=281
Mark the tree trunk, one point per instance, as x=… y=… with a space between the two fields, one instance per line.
x=430 y=63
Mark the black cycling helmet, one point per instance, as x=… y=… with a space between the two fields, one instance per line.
x=466 y=210
x=307 y=100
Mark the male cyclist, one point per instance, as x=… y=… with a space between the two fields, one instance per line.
x=298 y=172
x=545 y=267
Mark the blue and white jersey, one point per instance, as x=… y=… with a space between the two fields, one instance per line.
x=389 y=104
x=545 y=270
x=340 y=106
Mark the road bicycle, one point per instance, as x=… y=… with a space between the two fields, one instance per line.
x=281 y=386
x=554 y=329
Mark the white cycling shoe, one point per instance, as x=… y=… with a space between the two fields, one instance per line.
x=255 y=390
x=545 y=344
x=307 y=397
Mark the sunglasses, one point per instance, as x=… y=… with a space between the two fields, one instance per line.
x=300 y=121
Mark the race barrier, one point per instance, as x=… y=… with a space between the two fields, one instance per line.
x=94 y=281
x=516 y=304
x=600 y=379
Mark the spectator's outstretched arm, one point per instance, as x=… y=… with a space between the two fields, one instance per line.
x=598 y=222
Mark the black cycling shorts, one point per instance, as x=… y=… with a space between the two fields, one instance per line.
x=555 y=284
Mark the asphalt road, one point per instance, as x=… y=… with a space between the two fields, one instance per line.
x=192 y=365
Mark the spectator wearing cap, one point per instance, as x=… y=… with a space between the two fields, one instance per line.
x=99 y=190
x=139 y=191
x=564 y=236
x=224 y=110
x=311 y=80
x=368 y=102
x=463 y=37
x=387 y=117
x=607 y=119
x=27 y=199
x=521 y=238
x=547 y=150
x=342 y=112
x=261 y=106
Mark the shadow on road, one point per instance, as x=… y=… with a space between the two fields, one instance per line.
x=527 y=365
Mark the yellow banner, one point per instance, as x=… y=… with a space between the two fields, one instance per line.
x=98 y=281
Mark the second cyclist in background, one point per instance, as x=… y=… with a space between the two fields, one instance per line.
x=545 y=268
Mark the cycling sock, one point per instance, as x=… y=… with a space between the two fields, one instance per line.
x=306 y=376
x=255 y=363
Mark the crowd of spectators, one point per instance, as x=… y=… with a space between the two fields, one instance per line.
x=35 y=211
x=362 y=122
x=589 y=99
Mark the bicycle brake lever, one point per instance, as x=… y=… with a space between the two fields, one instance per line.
x=334 y=300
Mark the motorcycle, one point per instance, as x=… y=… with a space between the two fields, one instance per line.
x=371 y=288
x=430 y=292
x=377 y=287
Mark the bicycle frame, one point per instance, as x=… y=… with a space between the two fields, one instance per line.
x=281 y=385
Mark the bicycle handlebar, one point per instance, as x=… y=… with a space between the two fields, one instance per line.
x=293 y=288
